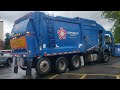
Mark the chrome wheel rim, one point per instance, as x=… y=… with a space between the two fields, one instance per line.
x=44 y=66
x=61 y=65
x=76 y=62
x=105 y=57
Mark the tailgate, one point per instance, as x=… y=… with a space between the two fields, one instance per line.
x=18 y=43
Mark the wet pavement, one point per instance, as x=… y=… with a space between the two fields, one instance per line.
x=109 y=70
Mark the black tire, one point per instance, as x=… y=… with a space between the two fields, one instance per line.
x=106 y=57
x=8 y=62
x=74 y=63
x=39 y=67
x=99 y=58
x=61 y=69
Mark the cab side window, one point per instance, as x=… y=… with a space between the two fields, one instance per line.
x=108 y=39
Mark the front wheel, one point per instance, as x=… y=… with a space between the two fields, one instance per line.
x=43 y=66
x=106 y=57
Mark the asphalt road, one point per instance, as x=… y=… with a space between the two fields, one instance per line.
x=110 y=70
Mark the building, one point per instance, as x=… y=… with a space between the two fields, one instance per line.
x=2 y=45
x=1 y=30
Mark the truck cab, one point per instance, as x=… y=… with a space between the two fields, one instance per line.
x=106 y=45
x=109 y=42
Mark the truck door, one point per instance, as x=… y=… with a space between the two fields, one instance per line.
x=108 y=41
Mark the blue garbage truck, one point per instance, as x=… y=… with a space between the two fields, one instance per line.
x=55 y=43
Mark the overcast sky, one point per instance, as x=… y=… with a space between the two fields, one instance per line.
x=10 y=16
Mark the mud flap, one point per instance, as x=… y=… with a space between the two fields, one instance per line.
x=15 y=69
x=29 y=67
x=82 y=60
x=15 y=66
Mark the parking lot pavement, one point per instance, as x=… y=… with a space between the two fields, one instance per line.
x=85 y=76
x=109 y=70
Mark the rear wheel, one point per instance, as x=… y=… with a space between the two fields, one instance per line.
x=61 y=65
x=106 y=57
x=74 y=63
x=43 y=66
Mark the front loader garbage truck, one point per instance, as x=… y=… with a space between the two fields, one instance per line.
x=49 y=43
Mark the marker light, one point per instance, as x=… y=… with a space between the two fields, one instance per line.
x=24 y=55
x=27 y=32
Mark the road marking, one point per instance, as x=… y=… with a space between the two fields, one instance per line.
x=117 y=77
x=73 y=74
x=92 y=74
x=83 y=76
x=116 y=66
x=102 y=74
x=54 y=76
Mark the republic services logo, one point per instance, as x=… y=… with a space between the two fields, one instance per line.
x=61 y=33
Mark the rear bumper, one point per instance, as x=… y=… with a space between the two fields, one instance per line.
x=22 y=61
x=19 y=54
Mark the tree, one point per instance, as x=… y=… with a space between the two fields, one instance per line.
x=114 y=16
x=7 y=41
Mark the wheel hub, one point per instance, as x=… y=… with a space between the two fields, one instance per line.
x=76 y=62
x=106 y=58
x=44 y=66
x=61 y=65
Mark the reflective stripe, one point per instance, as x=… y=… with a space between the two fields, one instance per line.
x=45 y=54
